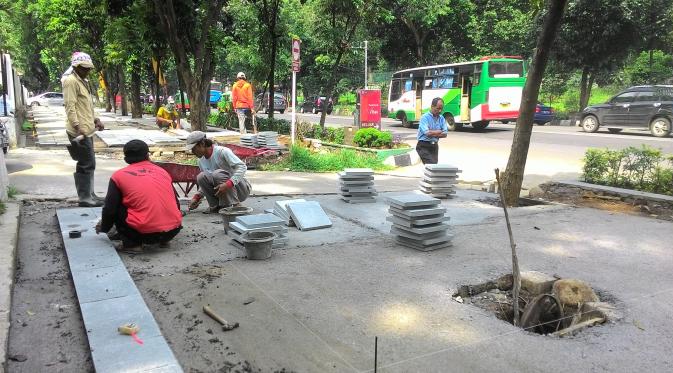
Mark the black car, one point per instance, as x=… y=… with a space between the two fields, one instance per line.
x=648 y=106
x=315 y=104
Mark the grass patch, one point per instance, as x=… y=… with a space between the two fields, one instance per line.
x=304 y=160
x=12 y=192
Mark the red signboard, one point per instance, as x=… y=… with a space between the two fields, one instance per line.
x=370 y=108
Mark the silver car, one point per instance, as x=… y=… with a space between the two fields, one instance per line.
x=46 y=99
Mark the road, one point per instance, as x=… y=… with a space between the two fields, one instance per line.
x=555 y=152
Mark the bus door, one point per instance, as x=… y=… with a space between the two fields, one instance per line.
x=466 y=90
x=418 y=86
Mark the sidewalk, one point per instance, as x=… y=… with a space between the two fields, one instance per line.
x=9 y=229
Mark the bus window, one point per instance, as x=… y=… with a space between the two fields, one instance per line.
x=407 y=85
x=477 y=75
x=395 y=90
x=428 y=84
x=513 y=69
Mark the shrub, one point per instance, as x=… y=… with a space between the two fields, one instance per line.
x=281 y=126
x=302 y=159
x=373 y=138
x=148 y=109
x=645 y=169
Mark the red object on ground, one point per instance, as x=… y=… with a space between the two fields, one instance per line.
x=370 y=108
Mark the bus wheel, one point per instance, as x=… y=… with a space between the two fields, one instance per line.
x=451 y=124
x=480 y=125
x=405 y=122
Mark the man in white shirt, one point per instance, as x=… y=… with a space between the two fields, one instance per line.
x=222 y=179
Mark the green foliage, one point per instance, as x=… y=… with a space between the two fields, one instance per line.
x=334 y=135
x=644 y=71
x=373 y=138
x=303 y=159
x=347 y=98
x=12 y=192
x=148 y=109
x=282 y=126
x=3 y=208
x=645 y=169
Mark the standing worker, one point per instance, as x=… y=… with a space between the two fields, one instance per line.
x=241 y=97
x=431 y=128
x=80 y=127
x=168 y=116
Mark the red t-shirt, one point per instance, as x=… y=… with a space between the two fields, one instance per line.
x=149 y=197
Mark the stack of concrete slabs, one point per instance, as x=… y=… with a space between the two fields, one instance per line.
x=249 y=140
x=308 y=215
x=419 y=222
x=259 y=222
x=280 y=210
x=439 y=180
x=268 y=139
x=356 y=185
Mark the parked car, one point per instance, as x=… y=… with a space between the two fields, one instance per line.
x=279 y=102
x=46 y=99
x=543 y=114
x=647 y=106
x=315 y=104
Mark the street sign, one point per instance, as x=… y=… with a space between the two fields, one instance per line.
x=295 y=50
x=370 y=108
x=295 y=66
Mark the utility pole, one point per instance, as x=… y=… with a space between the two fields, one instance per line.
x=365 y=64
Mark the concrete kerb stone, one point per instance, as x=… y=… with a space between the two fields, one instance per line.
x=9 y=232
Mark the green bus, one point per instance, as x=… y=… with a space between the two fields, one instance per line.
x=474 y=93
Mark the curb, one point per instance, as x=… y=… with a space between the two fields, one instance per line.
x=9 y=232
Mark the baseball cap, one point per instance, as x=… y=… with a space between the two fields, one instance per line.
x=240 y=75
x=194 y=139
x=171 y=100
x=81 y=59
x=135 y=151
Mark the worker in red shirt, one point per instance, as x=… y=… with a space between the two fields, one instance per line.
x=141 y=202
x=241 y=98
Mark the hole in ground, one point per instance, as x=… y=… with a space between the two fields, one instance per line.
x=547 y=305
x=523 y=202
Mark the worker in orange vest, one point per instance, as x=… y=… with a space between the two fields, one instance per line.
x=241 y=98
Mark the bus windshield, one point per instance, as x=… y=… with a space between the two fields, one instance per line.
x=505 y=69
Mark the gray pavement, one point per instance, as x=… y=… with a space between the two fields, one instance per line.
x=9 y=224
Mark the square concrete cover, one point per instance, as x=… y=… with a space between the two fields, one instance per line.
x=417 y=213
x=309 y=215
x=259 y=220
x=412 y=199
x=441 y=167
x=416 y=223
x=359 y=171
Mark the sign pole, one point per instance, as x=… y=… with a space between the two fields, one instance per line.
x=294 y=106
x=365 y=64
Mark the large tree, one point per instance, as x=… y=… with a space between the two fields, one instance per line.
x=596 y=36
x=513 y=178
x=193 y=30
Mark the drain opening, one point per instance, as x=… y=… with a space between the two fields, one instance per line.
x=547 y=305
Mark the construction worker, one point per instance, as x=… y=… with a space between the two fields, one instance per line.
x=222 y=179
x=81 y=126
x=241 y=97
x=168 y=116
x=141 y=202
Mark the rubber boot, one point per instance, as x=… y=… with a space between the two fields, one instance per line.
x=83 y=185
x=93 y=193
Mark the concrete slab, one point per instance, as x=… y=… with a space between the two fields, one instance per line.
x=309 y=215
x=108 y=298
x=259 y=220
x=416 y=222
x=414 y=213
x=412 y=200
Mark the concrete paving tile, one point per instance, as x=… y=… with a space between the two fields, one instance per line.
x=412 y=199
x=417 y=212
x=309 y=215
x=418 y=247
x=103 y=283
x=417 y=222
x=441 y=167
x=425 y=236
x=259 y=220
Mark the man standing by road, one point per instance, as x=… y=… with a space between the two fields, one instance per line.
x=241 y=97
x=431 y=128
x=141 y=202
x=80 y=127
x=222 y=179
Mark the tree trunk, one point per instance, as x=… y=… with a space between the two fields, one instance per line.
x=585 y=87
x=199 y=106
x=122 y=90
x=274 y=42
x=524 y=124
x=136 y=103
x=157 y=87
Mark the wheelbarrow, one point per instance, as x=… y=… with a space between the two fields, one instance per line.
x=181 y=174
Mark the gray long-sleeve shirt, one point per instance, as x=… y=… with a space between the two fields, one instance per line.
x=224 y=159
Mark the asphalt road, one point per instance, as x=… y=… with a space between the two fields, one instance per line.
x=555 y=152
